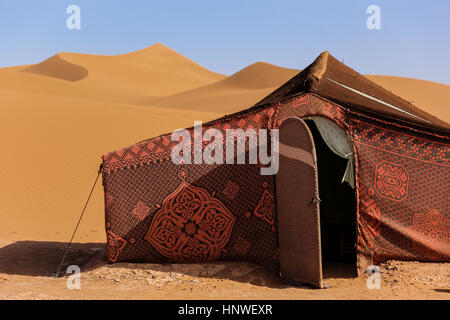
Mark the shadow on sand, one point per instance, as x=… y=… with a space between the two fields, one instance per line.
x=442 y=290
x=42 y=258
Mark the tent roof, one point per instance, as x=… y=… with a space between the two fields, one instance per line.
x=331 y=79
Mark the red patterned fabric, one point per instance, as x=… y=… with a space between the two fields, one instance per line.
x=231 y=190
x=391 y=181
x=265 y=209
x=114 y=245
x=191 y=226
x=403 y=184
x=157 y=211
x=431 y=230
x=310 y=105
x=159 y=149
x=189 y=213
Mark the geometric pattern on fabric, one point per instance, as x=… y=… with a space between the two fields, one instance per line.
x=395 y=142
x=369 y=215
x=159 y=149
x=430 y=230
x=403 y=211
x=391 y=180
x=310 y=105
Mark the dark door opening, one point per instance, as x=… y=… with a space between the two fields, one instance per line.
x=337 y=206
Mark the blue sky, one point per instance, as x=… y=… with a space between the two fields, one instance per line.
x=225 y=36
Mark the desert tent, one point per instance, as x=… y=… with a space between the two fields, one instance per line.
x=363 y=174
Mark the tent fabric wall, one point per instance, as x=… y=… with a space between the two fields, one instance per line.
x=401 y=183
x=158 y=211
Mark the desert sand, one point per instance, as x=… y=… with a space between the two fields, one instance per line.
x=57 y=117
x=25 y=273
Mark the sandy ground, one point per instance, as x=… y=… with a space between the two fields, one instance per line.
x=27 y=267
x=57 y=118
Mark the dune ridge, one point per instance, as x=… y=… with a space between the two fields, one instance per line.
x=58 y=68
x=260 y=75
x=135 y=78
x=236 y=92
x=430 y=96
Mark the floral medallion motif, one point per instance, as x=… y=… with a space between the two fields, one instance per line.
x=114 y=245
x=266 y=207
x=141 y=210
x=191 y=225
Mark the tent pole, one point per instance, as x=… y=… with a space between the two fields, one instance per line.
x=79 y=220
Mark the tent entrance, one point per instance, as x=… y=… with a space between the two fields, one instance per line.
x=337 y=209
x=315 y=206
x=297 y=202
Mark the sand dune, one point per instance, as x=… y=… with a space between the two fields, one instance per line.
x=259 y=75
x=57 y=117
x=134 y=78
x=240 y=90
x=59 y=68
x=429 y=96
